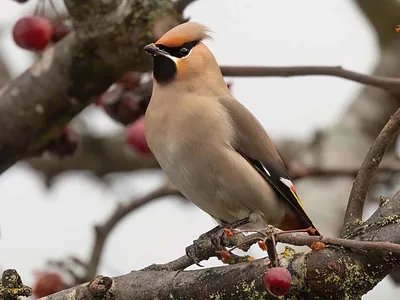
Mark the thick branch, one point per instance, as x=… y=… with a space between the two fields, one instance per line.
x=331 y=273
x=386 y=83
x=78 y=69
x=368 y=168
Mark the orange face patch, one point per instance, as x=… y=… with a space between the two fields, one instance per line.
x=181 y=67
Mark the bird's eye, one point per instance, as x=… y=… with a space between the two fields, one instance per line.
x=184 y=51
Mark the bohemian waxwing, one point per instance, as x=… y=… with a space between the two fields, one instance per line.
x=209 y=145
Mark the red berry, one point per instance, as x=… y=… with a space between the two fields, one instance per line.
x=277 y=281
x=60 y=30
x=136 y=137
x=47 y=283
x=32 y=33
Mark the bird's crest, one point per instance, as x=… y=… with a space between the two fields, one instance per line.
x=184 y=33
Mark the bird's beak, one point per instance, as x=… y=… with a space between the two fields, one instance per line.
x=153 y=50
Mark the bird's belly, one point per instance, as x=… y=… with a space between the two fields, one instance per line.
x=217 y=183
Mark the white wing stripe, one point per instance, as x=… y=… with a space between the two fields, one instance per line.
x=287 y=182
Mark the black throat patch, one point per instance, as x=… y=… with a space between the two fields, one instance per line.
x=164 y=69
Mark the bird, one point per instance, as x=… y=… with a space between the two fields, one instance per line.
x=209 y=145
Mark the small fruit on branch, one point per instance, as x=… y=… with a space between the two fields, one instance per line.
x=33 y=33
x=277 y=281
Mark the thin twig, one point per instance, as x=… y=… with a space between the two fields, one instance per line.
x=363 y=180
x=103 y=231
x=386 y=83
x=307 y=240
x=317 y=171
x=303 y=239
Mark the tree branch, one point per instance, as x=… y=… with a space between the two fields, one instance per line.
x=99 y=155
x=103 y=231
x=333 y=272
x=362 y=183
x=299 y=173
x=386 y=83
x=73 y=73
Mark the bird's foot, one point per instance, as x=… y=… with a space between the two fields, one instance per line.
x=206 y=245
x=211 y=242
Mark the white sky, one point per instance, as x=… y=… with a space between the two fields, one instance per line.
x=37 y=225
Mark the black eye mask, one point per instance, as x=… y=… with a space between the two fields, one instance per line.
x=178 y=52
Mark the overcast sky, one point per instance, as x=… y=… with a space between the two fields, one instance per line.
x=59 y=223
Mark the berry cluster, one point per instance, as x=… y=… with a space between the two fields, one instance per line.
x=125 y=101
x=36 y=33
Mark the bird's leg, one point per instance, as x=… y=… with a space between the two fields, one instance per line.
x=228 y=227
x=212 y=240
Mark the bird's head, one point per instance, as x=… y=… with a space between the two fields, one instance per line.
x=180 y=55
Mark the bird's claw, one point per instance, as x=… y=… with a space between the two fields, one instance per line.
x=211 y=241
x=206 y=245
x=191 y=253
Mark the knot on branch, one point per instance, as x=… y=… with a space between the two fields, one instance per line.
x=100 y=287
x=11 y=286
x=332 y=272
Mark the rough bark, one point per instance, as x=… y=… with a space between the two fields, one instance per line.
x=108 y=40
x=331 y=273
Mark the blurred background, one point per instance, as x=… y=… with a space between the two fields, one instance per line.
x=44 y=218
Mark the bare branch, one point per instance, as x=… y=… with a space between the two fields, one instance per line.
x=368 y=168
x=306 y=240
x=386 y=83
x=298 y=173
x=103 y=231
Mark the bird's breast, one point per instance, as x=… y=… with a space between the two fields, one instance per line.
x=188 y=139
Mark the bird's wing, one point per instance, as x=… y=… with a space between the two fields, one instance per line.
x=253 y=143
